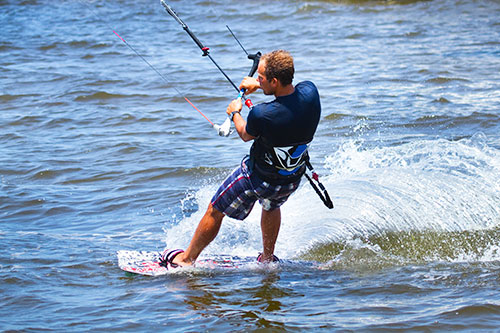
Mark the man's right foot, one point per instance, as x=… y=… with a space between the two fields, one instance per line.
x=261 y=259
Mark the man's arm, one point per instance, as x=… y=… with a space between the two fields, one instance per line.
x=250 y=84
x=240 y=124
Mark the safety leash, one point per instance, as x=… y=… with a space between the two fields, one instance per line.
x=321 y=191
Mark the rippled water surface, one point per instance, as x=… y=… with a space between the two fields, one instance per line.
x=98 y=153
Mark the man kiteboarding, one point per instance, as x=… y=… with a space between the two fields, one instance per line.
x=281 y=131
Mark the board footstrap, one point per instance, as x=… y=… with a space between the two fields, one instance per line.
x=167 y=257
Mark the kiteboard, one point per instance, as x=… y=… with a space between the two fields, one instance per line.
x=148 y=263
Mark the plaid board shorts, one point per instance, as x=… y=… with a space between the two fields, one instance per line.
x=239 y=192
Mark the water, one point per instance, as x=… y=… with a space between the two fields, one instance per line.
x=99 y=154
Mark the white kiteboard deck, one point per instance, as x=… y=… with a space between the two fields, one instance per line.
x=148 y=263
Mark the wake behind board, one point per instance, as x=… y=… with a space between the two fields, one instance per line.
x=148 y=263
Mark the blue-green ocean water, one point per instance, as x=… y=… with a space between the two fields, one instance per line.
x=98 y=154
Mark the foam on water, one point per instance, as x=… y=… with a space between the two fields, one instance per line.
x=425 y=186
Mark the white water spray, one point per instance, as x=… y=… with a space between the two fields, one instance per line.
x=424 y=185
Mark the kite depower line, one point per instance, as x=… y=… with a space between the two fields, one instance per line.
x=206 y=53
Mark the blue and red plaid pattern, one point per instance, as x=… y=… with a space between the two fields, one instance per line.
x=238 y=194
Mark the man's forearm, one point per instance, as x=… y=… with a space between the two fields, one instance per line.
x=240 y=126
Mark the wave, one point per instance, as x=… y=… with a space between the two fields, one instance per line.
x=8 y=97
x=75 y=44
x=8 y=46
x=423 y=200
x=443 y=80
x=407 y=247
x=102 y=95
x=483 y=120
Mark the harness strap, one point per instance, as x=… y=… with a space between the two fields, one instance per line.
x=323 y=194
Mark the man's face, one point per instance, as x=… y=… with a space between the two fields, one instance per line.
x=268 y=87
